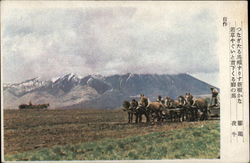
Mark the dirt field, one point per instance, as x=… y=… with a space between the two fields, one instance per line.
x=32 y=130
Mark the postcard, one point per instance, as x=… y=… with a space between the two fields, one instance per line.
x=124 y=81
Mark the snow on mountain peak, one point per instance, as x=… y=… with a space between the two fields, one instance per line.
x=130 y=76
x=28 y=83
x=67 y=77
x=55 y=79
x=27 y=86
x=90 y=80
x=71 y=75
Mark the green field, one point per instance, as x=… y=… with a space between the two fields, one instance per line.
x=103 y=135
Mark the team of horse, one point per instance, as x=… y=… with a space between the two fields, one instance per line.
x=185 y=108
x=31 y=106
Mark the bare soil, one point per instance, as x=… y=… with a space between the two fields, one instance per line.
x=26 y=130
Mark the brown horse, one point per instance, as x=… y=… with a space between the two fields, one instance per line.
x=191 y=111
x=143 y=101
x=176 y=108
x=154 y=109
x=198 y=105
x=171 y=103
x=202 y=105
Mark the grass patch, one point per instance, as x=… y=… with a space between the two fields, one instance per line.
x=200 y=141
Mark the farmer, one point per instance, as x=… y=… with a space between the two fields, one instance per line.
x=214 y=101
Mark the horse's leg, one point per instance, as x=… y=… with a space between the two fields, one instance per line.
x=150 y=114
x=131 y=117
x=147 y=117
x=192 y=115
x=158 y=116
x=140 y=118
x=174 y=116
x=202 y=116
x=206 y=114
x=197 y=114
x=171 y=116
x=187 y=114
x=137 y=117
x=184 y=114
x=162 y=118
x=180 y=116
x=153 y=116
x=128 y=117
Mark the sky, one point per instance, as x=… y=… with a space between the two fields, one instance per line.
x=50 y=42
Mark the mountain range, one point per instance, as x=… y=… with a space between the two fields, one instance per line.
x=101 y=92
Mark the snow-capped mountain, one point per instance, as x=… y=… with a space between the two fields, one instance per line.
x=19 y=89
x=96 y=91
x=66 y=83
x=67 y=78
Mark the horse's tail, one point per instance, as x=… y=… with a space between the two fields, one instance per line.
x=126 y=104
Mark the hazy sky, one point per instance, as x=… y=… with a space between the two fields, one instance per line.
x=50 y=42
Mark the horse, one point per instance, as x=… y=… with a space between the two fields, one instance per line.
x=184 y=105
x=130 y=108
x=191 y=110
x=182 y=101
x=142 y=109
x=143 y=101
x=171 y=103
x=154 y=109
x=189 y=99
x=174 y=108
x=202 y=105
x=197 y=105
x=133 y=107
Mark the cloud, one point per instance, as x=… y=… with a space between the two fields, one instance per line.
x=48 y=42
